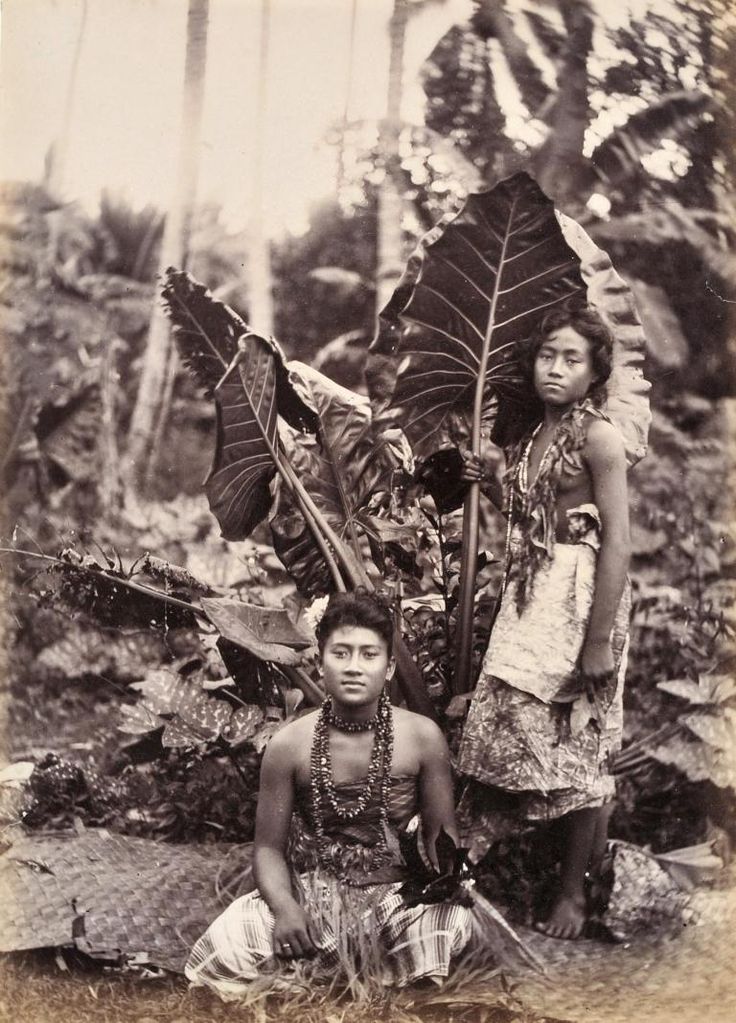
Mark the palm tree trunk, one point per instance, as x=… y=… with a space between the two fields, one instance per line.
x=348 y=97
x=55 y=174
x=389 y=241
x=174 y=246
x=260 y=298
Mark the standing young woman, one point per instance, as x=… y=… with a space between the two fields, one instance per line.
x=547 y=711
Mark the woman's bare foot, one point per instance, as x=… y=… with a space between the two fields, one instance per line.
x=566 y=919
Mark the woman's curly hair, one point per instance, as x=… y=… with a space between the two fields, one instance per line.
x=588 y=323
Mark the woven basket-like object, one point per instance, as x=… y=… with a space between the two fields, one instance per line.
x=113 y=896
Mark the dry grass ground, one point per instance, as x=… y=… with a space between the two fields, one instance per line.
x=685 y=978
x=34 y=989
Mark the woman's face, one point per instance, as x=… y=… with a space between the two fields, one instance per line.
x=563 y=368
x=355 y=663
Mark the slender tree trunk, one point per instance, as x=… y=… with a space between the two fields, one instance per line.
x=490 y=20
x=260 y=298
x=109 y=487
x=55 y=174
x=389 y=241
x=559 y=163
x=348 y=98
x=156 y=359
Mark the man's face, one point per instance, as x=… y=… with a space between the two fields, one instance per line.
x=355 y=663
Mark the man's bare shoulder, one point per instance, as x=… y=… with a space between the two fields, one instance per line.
x=422 y=728
x=289 y=740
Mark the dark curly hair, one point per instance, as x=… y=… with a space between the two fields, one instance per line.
x=588 y=323
x=360 y=609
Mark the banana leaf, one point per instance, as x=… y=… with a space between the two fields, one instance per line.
x=343 y=467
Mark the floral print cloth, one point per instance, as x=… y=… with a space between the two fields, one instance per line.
x=531 y=728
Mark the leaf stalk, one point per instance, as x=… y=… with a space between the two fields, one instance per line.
x=462 y=680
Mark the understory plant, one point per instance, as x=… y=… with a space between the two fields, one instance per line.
x=340 y=476
x=366 y=491
x=361 y=491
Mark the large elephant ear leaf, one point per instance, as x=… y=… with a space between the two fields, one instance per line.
x=342 y=467
x=476 y=287
x=246 y=446
x=207 y=333
x=474 y=291
x=252 y=387
x=627 y=392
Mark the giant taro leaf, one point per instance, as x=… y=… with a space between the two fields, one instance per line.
x=477 y=285
x=266 y=632
x=474 y=290
x=252 y=387
x=342 y=468
x=207 y=333
x=238 y=484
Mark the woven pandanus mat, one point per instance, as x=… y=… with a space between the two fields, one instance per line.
x=113 y=896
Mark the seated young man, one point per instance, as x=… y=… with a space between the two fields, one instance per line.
x=336 y=786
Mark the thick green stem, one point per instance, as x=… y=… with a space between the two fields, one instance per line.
x=298 y=677
x=410 y=680
x=322 y=530
x=352 y=532
x=316 y=523
x=344 y=564
x=462 y=680
x=314 y=519
x=464 y=639
x=409 y=677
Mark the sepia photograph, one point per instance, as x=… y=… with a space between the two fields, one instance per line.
x=367 y=536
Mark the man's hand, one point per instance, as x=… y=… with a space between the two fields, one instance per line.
x=294 y=936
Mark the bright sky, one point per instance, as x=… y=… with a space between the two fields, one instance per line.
x=128 y=96
x=127 y=101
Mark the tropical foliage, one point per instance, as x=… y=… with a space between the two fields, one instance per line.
x=185 y=648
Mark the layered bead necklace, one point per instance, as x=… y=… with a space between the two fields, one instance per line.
x=521 y=486
x=522 y=473
x=379 y=769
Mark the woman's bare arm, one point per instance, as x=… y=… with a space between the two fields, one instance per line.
x=606 y=460
x=474 y=471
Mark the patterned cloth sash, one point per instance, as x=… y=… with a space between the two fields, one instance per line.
x=356 y=850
